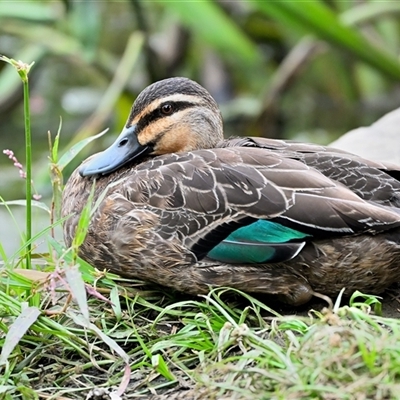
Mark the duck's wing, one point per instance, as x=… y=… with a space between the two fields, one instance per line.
x=371 y=180
x=203 y=196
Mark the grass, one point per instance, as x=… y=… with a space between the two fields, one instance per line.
x=222 y=346
x=67 y=330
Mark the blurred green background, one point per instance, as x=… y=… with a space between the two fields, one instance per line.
x=286 y=69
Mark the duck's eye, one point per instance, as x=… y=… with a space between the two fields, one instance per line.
x=167 y=109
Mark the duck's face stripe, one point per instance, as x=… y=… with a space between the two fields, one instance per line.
x=156 y=114
x=180 y=100
x=163 y=116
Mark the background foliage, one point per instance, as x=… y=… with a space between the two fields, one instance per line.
x=304 y=70
x=277 y=68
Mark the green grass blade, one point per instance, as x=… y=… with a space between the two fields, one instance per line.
x=31 y=11
x=3 y=255
x=22 y=202
x=69 y=155
x=53 y=148
x=161 y=367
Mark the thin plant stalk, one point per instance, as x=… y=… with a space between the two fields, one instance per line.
x=23 y=71
x=28 y=155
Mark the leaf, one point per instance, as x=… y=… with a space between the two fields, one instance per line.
x=87 y=271
x=2 y=253
x=17 y=330
x=54 y=149
x=6 y=388
x=84 y=221
x=33 y=239
x=78 y=319
x=161 y=367
x=208 y=20
x=76 y=148
x=86 y=268
x=16 y=279
x=56 y=175
x=77 y=286
x=33 y=275
x=115 y=303
x=32 y=11
x=22 y=202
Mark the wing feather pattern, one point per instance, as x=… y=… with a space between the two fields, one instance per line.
x=371 y=180
x=206 y=194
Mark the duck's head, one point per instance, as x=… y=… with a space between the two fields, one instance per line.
x=172 y=115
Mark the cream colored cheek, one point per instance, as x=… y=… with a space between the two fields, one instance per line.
x=176 y=140
x=152 y=132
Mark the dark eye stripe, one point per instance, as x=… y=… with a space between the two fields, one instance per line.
x=156 y=114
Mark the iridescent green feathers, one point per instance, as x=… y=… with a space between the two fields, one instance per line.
x=260 y=242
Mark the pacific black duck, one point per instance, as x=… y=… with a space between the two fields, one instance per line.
x=186 y=209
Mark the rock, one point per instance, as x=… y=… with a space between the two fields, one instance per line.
x=378 y=142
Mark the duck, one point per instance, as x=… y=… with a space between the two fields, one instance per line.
x=177 y=205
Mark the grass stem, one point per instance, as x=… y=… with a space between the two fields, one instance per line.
x=28 y=155
x=23 y=71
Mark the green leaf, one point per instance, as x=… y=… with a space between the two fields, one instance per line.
x=84 y=221
x=22 y=202
x=6 y=388
x=30 y=10
x=161 y=367
x=367 y=299
x=79 y=320
x=75 y=149
x=54 y=149
x=33 y=239
x=208 y=21
x=2 y=253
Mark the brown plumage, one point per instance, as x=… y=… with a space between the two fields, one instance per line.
x=175 y=193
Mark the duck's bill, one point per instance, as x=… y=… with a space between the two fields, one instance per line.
x=125 y=149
